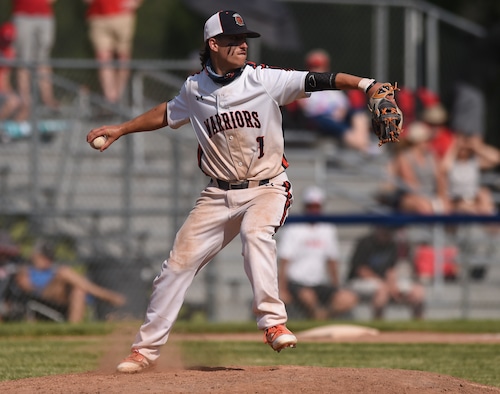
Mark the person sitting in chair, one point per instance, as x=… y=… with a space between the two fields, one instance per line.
x=309 y=257
x=373 y=274
x=60 y=285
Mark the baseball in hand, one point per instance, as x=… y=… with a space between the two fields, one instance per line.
x=98 y=142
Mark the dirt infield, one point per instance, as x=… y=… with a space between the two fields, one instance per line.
x=240 y=379
x=170 y=377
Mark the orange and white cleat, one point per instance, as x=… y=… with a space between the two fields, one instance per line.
x=279 y=337
x=135 y=362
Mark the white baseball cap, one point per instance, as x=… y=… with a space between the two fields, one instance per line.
x=313 y=195
x=227 y=22
x=418 y=132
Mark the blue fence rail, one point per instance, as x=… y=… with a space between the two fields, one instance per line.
x=394 y=219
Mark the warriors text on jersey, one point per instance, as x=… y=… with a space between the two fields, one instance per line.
x=238 y=125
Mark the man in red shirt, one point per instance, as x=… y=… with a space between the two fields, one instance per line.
x=35 y=32
x=111 y=31
x=9 y=100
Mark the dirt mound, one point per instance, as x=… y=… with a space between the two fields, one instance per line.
x=171 y=377
x=241 y=379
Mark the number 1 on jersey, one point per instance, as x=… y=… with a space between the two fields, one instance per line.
x=260 y=141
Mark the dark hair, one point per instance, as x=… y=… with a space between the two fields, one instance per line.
x=204 y=54
x=46 y=248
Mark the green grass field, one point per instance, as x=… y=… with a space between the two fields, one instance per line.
x=31 y=350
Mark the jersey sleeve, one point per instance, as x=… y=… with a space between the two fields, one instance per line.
x=285 y=86
x=178 y=109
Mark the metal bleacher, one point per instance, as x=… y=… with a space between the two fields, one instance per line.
x=351 y=183
x=85 y=194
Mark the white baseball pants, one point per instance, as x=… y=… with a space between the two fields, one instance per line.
x=217 y=217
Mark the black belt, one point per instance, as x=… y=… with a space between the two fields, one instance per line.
x=241 y=185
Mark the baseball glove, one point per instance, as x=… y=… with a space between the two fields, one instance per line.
x=387 y=118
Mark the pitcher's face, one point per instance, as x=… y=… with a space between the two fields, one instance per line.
x=229 y=52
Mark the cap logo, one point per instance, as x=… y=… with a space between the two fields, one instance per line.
x=238 y=19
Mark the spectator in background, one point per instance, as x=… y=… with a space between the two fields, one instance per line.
x=9 y=99
x=463 y=164
x=421 y=183
x=308 y=264
x=60 y=285
x=436 y=117
x=373 y=274
x=111 y=31
x=426 y=135
x=35 y=34
x=330 y=112
x=425 y=105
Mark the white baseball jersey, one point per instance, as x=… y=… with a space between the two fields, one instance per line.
x=308 y=247
x=239 y=125
x=240 y=137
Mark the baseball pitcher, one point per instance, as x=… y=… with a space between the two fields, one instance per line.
x=234 y=108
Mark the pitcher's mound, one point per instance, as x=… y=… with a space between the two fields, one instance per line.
x=255 y=380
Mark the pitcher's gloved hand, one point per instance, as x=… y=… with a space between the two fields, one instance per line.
x=387 y=118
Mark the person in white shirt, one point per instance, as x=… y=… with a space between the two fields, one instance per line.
x=308 y=264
